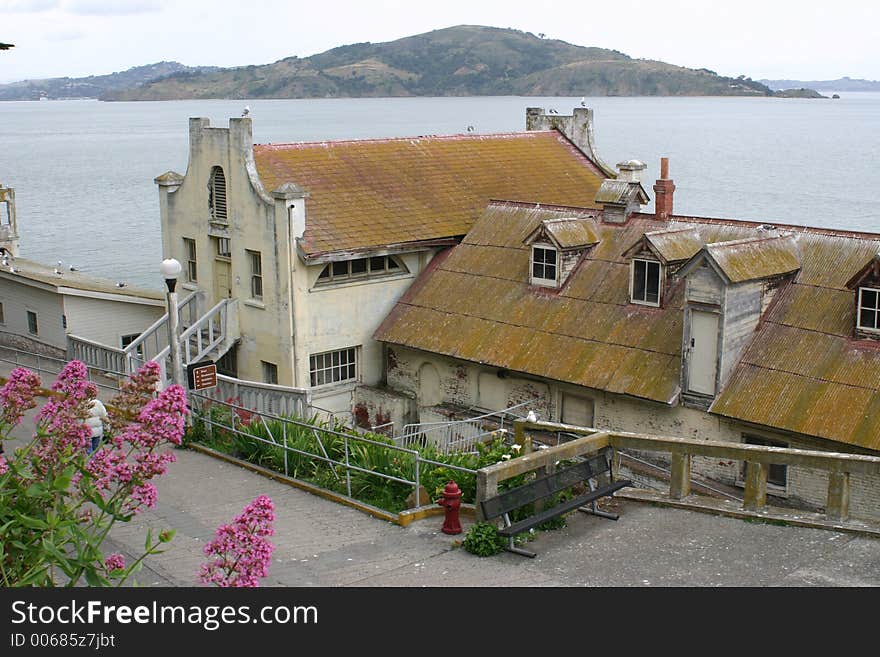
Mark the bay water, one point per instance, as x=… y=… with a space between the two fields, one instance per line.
x=83 y=170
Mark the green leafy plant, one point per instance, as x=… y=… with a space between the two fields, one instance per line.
x=483 y=540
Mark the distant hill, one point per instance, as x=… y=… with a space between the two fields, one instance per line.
x=465 y=60
x=841 y=84
x=94 y=85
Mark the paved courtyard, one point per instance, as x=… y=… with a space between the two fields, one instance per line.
x=322 y=543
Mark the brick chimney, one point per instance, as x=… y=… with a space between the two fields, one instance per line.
x=663 y=190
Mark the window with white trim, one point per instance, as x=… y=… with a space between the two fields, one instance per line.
x=333 y=367
x=224 y=247
x=270 y=372
x=256 y=262
x=217 y=195
x=544 y=266
x=645 y=282
x=357 y=268
x=131 y=337
x=869 y=309
x=189 y=249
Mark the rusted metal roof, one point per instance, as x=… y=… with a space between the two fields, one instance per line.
x=802 y=371
x=755 y=258
x=674 y=245
x=567 y=233
x=371 y=193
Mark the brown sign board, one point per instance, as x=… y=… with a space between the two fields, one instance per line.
x=201 y=376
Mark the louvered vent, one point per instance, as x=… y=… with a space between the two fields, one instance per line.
x=217 y=195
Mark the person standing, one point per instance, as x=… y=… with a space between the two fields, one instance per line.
x=95 y=421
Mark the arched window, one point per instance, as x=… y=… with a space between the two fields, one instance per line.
x=217 y=195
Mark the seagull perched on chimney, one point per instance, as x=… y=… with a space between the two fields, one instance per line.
x=246 y=111
x=583 y=101
x=531 y=417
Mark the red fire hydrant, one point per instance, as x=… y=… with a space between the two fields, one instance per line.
x=451 y=499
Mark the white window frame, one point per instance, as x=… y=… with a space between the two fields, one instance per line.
x=256 y=265
x=875 y=310
x=373 y=267
x=632 y=277
x=329 y=368
x=217 y=195
x=191 y=258
x=270 y=372
x=538 y=280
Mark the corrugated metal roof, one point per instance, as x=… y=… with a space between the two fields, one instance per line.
x=755 y=258
x=371 y=193
x=675 y=245
x=572 y=233
x=802 y=371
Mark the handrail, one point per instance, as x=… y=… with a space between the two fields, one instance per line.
x=838 y=466
x=136 y=351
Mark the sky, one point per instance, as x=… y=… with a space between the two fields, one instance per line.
x=768 y=39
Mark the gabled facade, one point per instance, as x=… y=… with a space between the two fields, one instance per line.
x=318 y=241
x=756 y=334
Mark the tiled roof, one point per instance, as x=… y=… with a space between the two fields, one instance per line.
x=802 y=371
x=372 y=193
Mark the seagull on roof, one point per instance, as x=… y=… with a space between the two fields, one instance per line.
x=246 y=110
x=470 y=128
x=531 y=417
x=120 y=284
x=72 y=268
x=553 y=111
x=583 y=101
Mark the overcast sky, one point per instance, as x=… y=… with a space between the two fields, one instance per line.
x=803 y=40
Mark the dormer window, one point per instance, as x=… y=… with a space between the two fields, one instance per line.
x=866 y=287
x=545 y=266
x=869 y=309
x=645 y=282
x=217 y=195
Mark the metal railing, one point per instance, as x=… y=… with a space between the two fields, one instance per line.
x=278 y=429
x=460 y=435
x=152 y=344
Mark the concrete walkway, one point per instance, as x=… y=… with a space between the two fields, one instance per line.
x=322 y=543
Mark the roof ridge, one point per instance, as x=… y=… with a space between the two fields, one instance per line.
x=383 y=140
x=746 y=240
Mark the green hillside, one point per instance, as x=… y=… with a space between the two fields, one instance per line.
x=465 y=60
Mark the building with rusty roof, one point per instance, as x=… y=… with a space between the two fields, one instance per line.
x=657 y=323
x=41 y=305
x=317 y=241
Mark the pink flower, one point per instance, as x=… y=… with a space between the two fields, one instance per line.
x=4 y=466
x=114 y=562
x=242 y=552
x=17 y=395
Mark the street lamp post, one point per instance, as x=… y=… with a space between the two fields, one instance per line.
x=170 y=269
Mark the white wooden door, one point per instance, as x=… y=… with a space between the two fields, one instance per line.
x=703 y=354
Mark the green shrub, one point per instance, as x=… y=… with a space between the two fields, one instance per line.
x=483 y=540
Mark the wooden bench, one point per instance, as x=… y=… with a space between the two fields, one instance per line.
x=543 y=487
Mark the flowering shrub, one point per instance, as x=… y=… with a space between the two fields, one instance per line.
x=57 y=504
x=241 y=550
